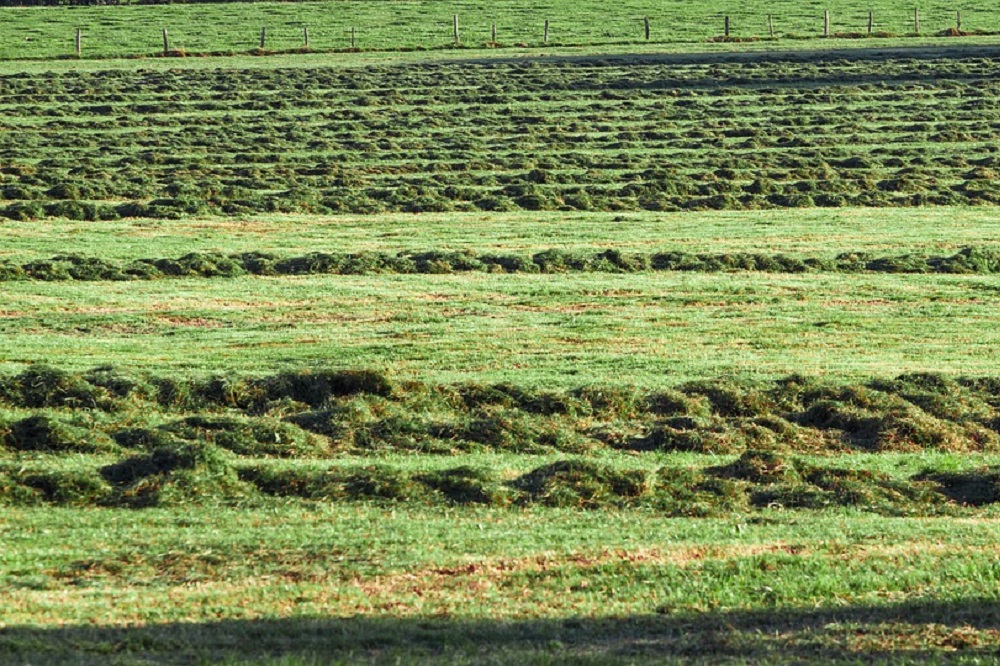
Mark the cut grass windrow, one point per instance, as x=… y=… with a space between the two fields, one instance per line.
x=969 y=260
x=586 y=135
x=202 y=473
x=161 y=442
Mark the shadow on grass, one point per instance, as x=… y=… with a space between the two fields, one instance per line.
x=911 y=632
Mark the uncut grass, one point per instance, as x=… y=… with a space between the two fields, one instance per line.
x=554 y=330
x=234 y=27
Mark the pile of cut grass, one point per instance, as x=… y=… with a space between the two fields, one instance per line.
x=319 y=413
x=153 y=441
x=968 y=260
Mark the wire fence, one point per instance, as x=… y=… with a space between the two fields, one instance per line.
x=133 y=30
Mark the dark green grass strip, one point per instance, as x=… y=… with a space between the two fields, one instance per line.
x=364 y=412
x=173 y=475
x=252 y=436
x=969 y=260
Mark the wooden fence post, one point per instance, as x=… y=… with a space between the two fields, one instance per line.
x=871 y=22
x=958 y=21
x=455 y=28
x=546 y=38
x=646 y=22
x=916 y=20
x=305 y=35
x=166 y=42
x=352 y=38
x=263 y=36
x=493 y=33
x=770 y=26
x=826 y=22
x=727 y=26
x=79 y=42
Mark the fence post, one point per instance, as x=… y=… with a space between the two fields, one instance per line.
x=826 y=22
x=493 y=33
x=916 y=20
x=455 y=28
x=727 y=26
x=263 y=36
x=546 y=38
x=305 y=35
x=958 y=20
x=646 y=22
x=871 y=22
x=166 y=42
x=770 y=26
x=79 y=42
x=352 y=38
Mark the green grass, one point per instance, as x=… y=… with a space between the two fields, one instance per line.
x=384 y=500
x=649 y=329
x=810 y=232
x=613 y=135
x=373 y=584
x=48 y=32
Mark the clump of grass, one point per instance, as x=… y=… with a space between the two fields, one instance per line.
x=611 y=402
x=900 y=428
x=249 y=437
x=672 y=402
x=144 y=438
x=688 y=492
x=583 y=484
x=41 y=386
x=317 y=388
x=822 y=487
x=686 y=433
x=180 y=473
x=304 y=483
x=67 y=488
x=381 y=482
x=757 y=467
x=13 y=492
x=118 y=384
x=512 y=431
x=971 y=488
x=467 y=485
x=46 y=434
x=732 y=399
x=403 y=432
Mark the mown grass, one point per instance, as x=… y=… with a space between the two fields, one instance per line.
x=650 y=329
x=370 y=584
x=492 y=467
x=815 y=232
x=157 y=441
x=572 y=135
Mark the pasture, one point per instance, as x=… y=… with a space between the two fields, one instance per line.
x=604 y=359
x=199 y=28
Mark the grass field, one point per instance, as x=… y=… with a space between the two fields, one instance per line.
x=531 y=135
x=617 y=359
x=49 y=32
